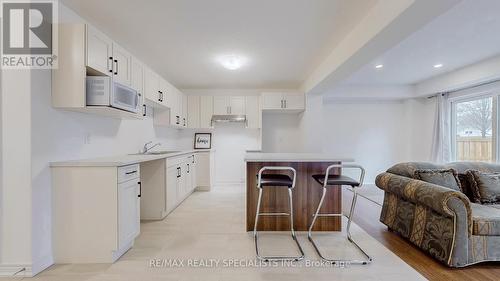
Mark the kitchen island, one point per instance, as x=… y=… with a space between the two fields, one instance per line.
x=306 y=194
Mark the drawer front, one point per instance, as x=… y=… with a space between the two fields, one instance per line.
x=174 y=161
x=129 y=172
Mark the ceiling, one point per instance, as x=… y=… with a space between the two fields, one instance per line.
x=467 y=33
x=284 y=40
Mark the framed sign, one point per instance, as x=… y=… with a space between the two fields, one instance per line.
x=202 y=140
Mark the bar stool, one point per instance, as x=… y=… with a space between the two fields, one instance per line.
x=339 y=180
x=276 y=180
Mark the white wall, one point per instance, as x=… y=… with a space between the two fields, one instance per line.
x=376 y=133
x=420 y=116
x=15 y=207
x=230 y=142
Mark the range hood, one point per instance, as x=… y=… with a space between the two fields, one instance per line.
x=229 y=118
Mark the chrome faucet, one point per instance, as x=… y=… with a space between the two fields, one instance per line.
x=145 y=149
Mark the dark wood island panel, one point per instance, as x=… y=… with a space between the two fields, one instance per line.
x=306 y=196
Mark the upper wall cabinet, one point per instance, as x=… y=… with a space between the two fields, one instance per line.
x=137 y=81
x=153 y=93
x=106 y=57
x=122 y=61
x=85 y=51
x=283 y=102
x=206 y=111
x=200 y=110
x=99 y=51
x=193 y=112
x=253 y=112
x=224 y=105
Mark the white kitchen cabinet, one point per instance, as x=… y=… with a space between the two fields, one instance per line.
x=184 y=110
x=253 y=112
x=221 y=105
x=96 y=212
x=176 y=109
x=237 y=105
x=107 y=57
x=167 y=90
x=226 y=105
x=272 y=101
x=192 y=171
x=99 y=51
x=172 y=187
x=206 y=111
x=121 y=65
x=152 y=88
x=283 y=102
x=129 y=215
x=137 y=82
x=294 y=101
x=193 y=111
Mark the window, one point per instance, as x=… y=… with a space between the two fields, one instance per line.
x=474 y=129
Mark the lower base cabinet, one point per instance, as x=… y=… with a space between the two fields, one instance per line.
x=166 y=183
x=96 y=212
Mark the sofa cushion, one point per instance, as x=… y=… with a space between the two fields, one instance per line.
x=485 y=219
x=443 y=177
x=485 y=187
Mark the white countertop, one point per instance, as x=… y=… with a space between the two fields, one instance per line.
x=121 y=160
x=293 y=157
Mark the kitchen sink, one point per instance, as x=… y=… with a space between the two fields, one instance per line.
x=157 y=152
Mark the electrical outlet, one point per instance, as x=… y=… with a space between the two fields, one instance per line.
x=87 y=138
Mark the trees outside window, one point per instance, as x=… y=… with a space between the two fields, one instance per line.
x=474 y=132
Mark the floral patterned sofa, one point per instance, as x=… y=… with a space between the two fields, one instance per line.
x=441 y=221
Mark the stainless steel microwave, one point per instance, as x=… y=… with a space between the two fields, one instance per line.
x=102 y=91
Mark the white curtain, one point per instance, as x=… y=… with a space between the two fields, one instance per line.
x=441 y=142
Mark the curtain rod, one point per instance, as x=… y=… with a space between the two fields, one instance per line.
x=464 y=88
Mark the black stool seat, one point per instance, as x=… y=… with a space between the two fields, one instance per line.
x=336 y=180
x=275 y=180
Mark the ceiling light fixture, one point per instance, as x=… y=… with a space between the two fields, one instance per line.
x=379 y=66
x=232 y=62
x=438 y=65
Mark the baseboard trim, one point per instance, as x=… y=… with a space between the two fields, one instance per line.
x=41 y=264
x=202 y=188
x=20 y=270
x=229 y=183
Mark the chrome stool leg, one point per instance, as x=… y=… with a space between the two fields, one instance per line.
x=317 y=214
x=258 y=213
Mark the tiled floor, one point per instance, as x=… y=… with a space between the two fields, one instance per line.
x=209 y=227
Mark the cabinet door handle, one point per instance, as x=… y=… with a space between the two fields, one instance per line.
x=184 y=121
x=144 y=112
x=131 y=172
x=179 y=172
x=187 y=168
x=140 y=190
x=110 y=68
x=284 y=101
x=193 y=159
x=281 y=106
x=116 y=70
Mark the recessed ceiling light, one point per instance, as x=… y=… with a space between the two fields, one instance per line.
x=232 y=62
x=379 y=66
x=438 y=65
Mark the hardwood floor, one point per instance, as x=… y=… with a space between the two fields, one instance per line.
x=367 y=217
